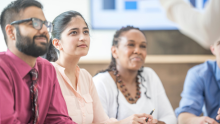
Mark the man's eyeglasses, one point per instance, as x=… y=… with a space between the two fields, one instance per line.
x=37 y=23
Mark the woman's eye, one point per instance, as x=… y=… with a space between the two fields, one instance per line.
x=130 y=44
x=73 y=32
x=143 y=46
x=86 y=32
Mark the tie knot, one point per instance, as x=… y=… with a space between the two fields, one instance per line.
x=34 y=74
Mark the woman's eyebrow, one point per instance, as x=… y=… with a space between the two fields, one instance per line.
x=131 y=40
x=134 y=41
x=73 y=29
x=78 y=28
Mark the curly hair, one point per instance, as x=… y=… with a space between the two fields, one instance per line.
x=112 y=65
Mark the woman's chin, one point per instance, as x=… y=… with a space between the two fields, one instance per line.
x=135 y=68
x=83 y=54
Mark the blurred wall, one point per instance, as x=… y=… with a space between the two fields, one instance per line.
x=161 y=42
x=173 y=43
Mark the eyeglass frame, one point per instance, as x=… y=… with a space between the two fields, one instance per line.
x=31 y=19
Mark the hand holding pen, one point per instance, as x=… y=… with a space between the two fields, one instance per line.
x=150 y=114
x=136 y=119
x=154 y=121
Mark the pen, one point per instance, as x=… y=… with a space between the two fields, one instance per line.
x=150 y=114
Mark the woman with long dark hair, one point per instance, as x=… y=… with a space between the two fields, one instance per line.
x=126 y=87
x=70 y=38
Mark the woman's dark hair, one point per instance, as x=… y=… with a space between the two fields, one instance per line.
x=112 y=66
x=60 y=24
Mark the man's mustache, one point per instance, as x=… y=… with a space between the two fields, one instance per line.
x=41 y=36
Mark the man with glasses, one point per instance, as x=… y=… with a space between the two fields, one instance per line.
x=30 y=92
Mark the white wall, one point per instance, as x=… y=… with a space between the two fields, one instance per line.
x=101 y=40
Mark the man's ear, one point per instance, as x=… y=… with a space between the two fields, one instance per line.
x=114 y=51
x=212 y=48
x=10 y=32
x=56 y=43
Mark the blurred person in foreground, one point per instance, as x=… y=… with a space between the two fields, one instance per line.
x=203 y=27
x=71 y=39
x=201 y=92
x=126 y=87
x=30 y=92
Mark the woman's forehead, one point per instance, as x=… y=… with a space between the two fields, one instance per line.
x=133 y=36
x=76 y=22
x=132 y=32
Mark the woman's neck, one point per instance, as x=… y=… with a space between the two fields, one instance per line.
x=68 y=62
x=128 y=76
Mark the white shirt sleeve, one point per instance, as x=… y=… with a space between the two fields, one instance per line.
x=165 y=110
x=203 y=27
x=102 y=93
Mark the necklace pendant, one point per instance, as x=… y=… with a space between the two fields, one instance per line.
x=137 y=97
x=122 y=86
x=119 y=81
x=123 y=91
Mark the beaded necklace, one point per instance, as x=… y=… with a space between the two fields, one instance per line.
x=124 y=90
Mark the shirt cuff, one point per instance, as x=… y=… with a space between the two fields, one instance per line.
x=178 y=111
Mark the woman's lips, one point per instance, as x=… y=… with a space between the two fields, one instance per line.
x=136 y=59
x=83 y=46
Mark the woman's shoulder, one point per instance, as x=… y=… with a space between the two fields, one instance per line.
x=101 y=76
x=150 y=74
x=84 y=71
x=148 y=71
x=104 y=83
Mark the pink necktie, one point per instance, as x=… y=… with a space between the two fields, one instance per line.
x=34 y=96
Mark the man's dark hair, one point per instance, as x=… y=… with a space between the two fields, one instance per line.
x=11 y=12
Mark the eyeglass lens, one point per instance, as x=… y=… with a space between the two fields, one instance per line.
x=37 y=24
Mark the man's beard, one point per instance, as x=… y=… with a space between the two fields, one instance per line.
x=28 y=46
